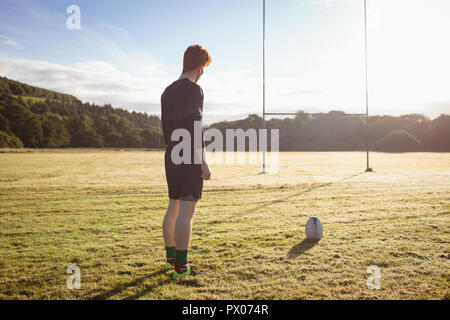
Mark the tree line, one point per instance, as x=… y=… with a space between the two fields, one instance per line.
x=38 y=118
x=336 y=131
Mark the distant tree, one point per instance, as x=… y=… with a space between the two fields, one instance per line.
x=9 y=141
x=131 y=141
x=22 y=101
x=417 y=124
x=55 y=132
x=398 y=141
x=4 y=125
x=40 y=107
x=82 y=132
x=103 y=126
x=4 y=86
x=25 y=125
x=113 y=139
x=16 y=89
x=439 y=136
x=152 y=138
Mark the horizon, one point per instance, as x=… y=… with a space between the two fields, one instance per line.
x=109 y=59
x=267 y=118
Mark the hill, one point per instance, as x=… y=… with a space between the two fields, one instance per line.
x=39 y=118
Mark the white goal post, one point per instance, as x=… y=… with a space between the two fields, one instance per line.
x=368 y=169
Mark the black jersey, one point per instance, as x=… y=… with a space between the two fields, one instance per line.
x=181 y=105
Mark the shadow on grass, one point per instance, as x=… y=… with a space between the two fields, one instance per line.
x=123 y=286
x=302 y=247
x=317 y=186
x=148 y=288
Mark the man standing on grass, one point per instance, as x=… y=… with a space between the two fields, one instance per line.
x=181 y=105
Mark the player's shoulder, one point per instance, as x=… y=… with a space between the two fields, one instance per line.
x=169 y=89
x=198 y=89
x=183 y=84
x=193 y=87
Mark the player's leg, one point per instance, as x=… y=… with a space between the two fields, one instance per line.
x=168 y=230
x=183 y=231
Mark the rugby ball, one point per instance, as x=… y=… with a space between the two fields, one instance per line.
x=314 y=229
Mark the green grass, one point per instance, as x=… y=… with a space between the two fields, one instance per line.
x=103 y=211
x=30 y=99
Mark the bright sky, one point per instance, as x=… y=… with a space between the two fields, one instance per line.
x=127 y=52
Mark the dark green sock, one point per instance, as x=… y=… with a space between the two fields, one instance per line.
x=170 y=253
x=181 y=260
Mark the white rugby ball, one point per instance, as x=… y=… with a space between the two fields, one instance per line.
x=314 y=229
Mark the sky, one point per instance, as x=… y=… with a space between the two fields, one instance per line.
x=127 y=52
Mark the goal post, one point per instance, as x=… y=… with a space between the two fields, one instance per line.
x=264 y=113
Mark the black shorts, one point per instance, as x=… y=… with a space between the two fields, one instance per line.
x=183 y=180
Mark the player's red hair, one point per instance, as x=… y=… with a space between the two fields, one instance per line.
x=194 y=57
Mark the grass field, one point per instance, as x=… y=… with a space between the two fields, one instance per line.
x=103 y=211
x=30 y=99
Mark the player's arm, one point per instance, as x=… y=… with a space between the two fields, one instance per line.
x=206 y=173
x=197 y=115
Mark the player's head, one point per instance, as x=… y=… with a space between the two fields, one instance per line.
x=195 y=59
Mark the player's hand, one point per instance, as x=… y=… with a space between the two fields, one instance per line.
x=206 y=173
